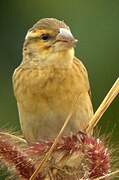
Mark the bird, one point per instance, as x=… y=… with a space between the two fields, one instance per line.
x=47 y=81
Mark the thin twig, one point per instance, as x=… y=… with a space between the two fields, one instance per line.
x=114 y=91
x=51 y=175
x=108 y=175
x=14 y=137
x=48 y=154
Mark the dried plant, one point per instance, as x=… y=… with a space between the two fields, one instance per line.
x=75 y=156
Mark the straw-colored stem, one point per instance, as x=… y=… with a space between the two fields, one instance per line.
x=114 y=91
x=48 y=154
x=13 y=137
x=108 y=175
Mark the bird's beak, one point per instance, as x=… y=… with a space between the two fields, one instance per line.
x=66 y=36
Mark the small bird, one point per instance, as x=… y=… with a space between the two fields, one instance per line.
x=47 y=81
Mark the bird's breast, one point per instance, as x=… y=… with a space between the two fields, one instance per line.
x=36 y=88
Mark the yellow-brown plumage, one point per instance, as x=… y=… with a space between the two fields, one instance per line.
x=47 y=81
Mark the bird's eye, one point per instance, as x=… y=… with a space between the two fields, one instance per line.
x=45 y=37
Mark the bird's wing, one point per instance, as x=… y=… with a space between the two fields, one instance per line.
x=85 y=74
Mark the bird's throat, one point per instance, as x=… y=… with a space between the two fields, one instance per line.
x=59 y=59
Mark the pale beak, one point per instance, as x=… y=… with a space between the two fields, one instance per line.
x=66 y=36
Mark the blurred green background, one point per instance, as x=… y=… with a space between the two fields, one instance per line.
x=95 y=23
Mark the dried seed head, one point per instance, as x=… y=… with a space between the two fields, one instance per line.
x=78 y=155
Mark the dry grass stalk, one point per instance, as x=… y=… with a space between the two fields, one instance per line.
x=114 y=91
x=112 y=94
x=13 y=137
x=108 y=175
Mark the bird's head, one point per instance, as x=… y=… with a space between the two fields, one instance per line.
x=49 y=41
